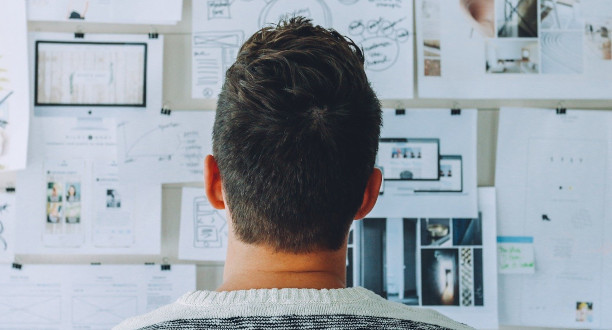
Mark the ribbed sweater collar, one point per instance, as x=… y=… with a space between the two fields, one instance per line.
x=276 y=296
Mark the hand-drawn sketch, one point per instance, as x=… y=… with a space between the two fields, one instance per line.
x=277 y=10
x=203 y=229
x=100 y=310
x=34 y=310
x=381 y=27
x=209 y=225
x=213 y=54
x=164 y=149
x=380 y=41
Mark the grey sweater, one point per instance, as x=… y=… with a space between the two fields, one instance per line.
x=352 y=308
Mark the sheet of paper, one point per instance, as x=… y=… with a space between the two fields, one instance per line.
x=382 y=28
x=515 y=255
x=428 y=159
x=98 y=75
x=164 y=149
x=14 y=86
x=203 y=234
x=7 y=227
x=77 y=206
x=447 y=264
x=553 y=174
x=513 y=49
x=87 y=296
x=107 y=11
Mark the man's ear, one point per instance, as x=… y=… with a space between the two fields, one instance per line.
x=212 y=183
x=370 y=195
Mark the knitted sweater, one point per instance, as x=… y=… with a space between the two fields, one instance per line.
x=352 y=308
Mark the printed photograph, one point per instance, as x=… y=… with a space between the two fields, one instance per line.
x=597 y=38
x=470 y=277
x=467 y=231
x=430 y=24
x=433 y=67
x=512 y=56
x=400 y=261
x=54 y=202
x=517 y=18
x=481 y=16
x=561 y=15
x=439 y=277
x=113 y=200
x=562 y=52
x=435 y=232
x=584 y=311
x=72 y=205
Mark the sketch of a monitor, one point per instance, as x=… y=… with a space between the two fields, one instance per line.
x=409 y=159
x=451 y=176
x=99 y=75
x=90 y=74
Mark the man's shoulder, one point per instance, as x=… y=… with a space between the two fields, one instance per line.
x=290 y=309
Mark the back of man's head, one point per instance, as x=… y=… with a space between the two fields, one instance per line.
x=295 y=137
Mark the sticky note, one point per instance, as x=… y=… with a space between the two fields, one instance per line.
x=515 y=255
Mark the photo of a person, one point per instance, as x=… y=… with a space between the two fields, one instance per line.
x=54 y=212
x=54 y=192
x=72 y=206
x=584 y=311
x=113 y=200
x=54 y=202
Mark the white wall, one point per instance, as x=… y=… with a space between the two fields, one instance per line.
x=177 y=95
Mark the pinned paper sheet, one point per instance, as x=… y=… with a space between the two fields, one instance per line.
x=515 y=255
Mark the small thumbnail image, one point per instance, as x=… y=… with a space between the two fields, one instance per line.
x=54 y=192
x=433 y=67
x=481 y=16
x=562 y=52
x=517 y=18
x=446 y=171
x=598 y=39
x=54 y=202
x=561 y=15
x=471 y=277
x=584 y=311
x=467 y=231
x=54 y=212
x=435 y=232
x=406 y=153
x=439 y=277
x=512 y=56
x=113 y=200
x=72 y=206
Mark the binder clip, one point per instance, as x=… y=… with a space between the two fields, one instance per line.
x=96 y=264
x=166 y=109
x=165 y=266
x=79 y=33
x=400 y=112
x=10 y=189
x=561 y=110
x=455 y=110
x=153 y=34
x=17 y=266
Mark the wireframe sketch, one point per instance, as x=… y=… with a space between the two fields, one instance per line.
x=101 y=310
x=380 y=40
x=277 y=10
x=155 y=143
x=35 y=310
x=74 y=73
x=213 y=54
x=3 y=242
x=210 y=226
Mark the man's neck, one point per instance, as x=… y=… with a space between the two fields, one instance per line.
x=259 y=267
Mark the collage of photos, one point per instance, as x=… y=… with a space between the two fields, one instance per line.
x=430 y=16
x=63 y=201
x=424 y=262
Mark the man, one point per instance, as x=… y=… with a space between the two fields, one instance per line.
x=294 y=143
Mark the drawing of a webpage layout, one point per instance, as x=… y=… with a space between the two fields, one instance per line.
x=87 y=297
x=448 y=264
x=382 y=29
x=428 y=160
x=71 y=201
x=553 y=174
x=514 y=48
x=14 y=86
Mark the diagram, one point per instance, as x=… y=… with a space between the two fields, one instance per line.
x=34 y=309
x=87 y=310
x=210 y=227
x=155 y=143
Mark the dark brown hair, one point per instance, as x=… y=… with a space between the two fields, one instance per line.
x=295 y=137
